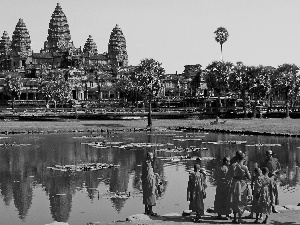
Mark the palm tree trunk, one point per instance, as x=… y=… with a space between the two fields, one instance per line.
x=149 y=115
x=244 y=105
x=221 y=52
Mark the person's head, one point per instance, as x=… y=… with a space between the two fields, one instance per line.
x=257 y=171
x=269 y=153
x=241 y=156
x=197 y=167
x=265 y=170
x=149 y=156
x=226 y=161
x=238 y=153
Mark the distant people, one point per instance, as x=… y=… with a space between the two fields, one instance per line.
x=274 y=167
x=149 y=180
x=262 y=196
x=239 y=192
x=196 y=191
x=220 y=204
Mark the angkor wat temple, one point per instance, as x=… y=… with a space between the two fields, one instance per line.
x=59 y=52
x=59 y=49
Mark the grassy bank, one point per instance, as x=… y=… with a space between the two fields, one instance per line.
x=291 y=126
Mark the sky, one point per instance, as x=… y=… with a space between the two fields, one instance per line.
x=174 y=32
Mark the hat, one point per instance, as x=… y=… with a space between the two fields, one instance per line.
x=269 y=152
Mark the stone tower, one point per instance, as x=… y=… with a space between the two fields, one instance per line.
x=58 y=33
x=5 y=51
x=21 y=43
x=21 y=46
x=5 y=44
x=90 y=46
x=117 y=53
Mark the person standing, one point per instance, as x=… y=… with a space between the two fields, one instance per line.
x=239 y=191
x=220 y=204
x=149 y=185
x=263 y=197
x=196 y=191
x=274 y=167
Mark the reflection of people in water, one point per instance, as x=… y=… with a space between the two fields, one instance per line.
x=220 y=204
x=196 y=191
x=149 y=180
x=274 y=167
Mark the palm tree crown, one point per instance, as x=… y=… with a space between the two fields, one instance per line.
x=221 y=37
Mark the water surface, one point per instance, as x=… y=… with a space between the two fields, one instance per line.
x=33 y=193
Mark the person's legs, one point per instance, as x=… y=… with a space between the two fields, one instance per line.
x=265 y=220
x=234 y=218
x=146 y=209
x=256 y=219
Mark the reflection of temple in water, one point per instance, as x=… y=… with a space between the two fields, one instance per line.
x=24 y=169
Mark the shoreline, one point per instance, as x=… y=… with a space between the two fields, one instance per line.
x=269 y=127
x=288 y=215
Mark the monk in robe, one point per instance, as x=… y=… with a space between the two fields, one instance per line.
x=239 y=191
x=149 y=185
x=196 y=191
x=262 y=195
x=274 y=167
x=220 y=204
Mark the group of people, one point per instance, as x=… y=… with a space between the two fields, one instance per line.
x=234 y=193
x=235 y=188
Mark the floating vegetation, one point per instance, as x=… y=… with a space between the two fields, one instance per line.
x=141 y=145
x=82 y=167
x=231 y=142
x=91 y=136
x=262 y=144
x=13 y=145
x=192 y=149
x=3 y=137
x=180 y=158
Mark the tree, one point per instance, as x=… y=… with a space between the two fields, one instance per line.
x=124 y=83
x=221 y=37
x=13 y=86
x=288 y=82
x=260 y=85
x=102 y=76
x=56 y=85
x=240 y=83
x=217 y=78
x=148 y=81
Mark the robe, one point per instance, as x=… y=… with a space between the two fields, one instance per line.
x=148 y=184
x=262 y=195
x=196 y=192
x=221 y=205
x=239 y=191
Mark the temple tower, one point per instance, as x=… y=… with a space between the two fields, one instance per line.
x=21 y=39
x=21 y=45
x=90 y=46
x=5 y=51
x=58 y=33
x=117 y=53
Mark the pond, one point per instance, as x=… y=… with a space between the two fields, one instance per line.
x=46 y=178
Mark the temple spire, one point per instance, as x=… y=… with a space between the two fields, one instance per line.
x=58 y=32
x=117 y=52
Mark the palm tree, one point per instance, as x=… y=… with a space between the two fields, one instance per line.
x=221 y=37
